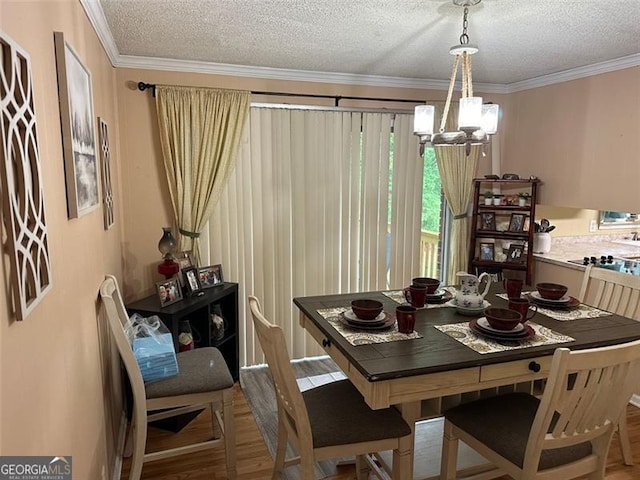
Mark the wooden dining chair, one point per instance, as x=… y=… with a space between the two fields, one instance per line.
x=203 y=380
x=329 y=421
x=617 y=293
x=564 y=434
x=612 y=291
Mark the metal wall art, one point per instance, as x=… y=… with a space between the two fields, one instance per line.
x=22 y=191
x=105 y=161
x=78 y=135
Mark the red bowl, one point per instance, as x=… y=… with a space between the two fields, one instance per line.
x=432 y=284
x=551 y=291
x=366 y=309
x=502 y=318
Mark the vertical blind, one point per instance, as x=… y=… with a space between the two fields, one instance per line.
x=307 y=211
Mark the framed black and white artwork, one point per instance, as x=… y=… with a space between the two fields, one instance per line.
x=78 y=134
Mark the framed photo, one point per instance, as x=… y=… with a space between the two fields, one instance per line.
x=168 y=291
x=78 y=134
x=487 y=251
x=185 y=259
x=515 y=253
x=488 y=221
x=517 y=222
x=191 y=281
x=210 y=276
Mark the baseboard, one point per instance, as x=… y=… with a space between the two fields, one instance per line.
x=635 y=401
x=122 y=436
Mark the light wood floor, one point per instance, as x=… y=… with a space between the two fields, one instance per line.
x=255 y=463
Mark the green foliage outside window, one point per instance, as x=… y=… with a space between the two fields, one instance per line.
x=431 y=192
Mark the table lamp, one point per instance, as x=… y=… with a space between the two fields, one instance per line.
x=167 y=246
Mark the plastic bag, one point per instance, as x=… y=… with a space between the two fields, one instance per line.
x=152 y=345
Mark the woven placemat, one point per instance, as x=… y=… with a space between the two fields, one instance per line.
x=463 y=334
x=398 y=296
x=361 y=337
x=582 y=311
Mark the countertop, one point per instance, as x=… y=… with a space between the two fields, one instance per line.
x=564 y=249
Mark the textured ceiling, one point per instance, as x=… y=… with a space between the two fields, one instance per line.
x=519 y=40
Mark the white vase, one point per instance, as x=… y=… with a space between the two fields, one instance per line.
x=497 y=200
x=541 y=242
x=522 y=202
x=488 y=201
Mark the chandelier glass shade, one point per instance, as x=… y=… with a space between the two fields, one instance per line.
x=476 y=121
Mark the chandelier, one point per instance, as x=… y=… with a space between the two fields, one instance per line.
x=476 y=121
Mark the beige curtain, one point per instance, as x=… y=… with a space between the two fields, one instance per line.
x=457 y=171
x=200 y=130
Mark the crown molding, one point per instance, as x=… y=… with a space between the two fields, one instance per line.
x=166 y=64
x=96 y=16
x=93 y=9
x=576 y=73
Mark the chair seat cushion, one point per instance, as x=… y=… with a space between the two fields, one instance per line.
x=200 y=370
x=503 y=423
x=338 y=415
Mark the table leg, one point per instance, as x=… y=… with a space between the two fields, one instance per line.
x=403 y=457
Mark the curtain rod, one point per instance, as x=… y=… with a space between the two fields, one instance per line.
x=142 y=86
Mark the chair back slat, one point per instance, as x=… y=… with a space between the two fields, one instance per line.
x=585 y=395
x=272 y=341
x=117 y=317
x=612 y=291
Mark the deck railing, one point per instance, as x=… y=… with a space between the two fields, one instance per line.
x=429 y=255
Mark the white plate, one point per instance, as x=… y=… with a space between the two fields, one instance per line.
x=436 y=294
x=349 y=315
x=485 y=304
x=537 y=296
x=484 y=323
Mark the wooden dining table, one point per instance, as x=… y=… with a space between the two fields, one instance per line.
x=415 y=375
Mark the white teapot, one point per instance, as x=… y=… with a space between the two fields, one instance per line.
x=469 y=295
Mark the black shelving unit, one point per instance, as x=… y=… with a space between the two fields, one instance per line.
x=197 y=310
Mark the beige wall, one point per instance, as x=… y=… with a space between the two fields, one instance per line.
x=55 y=369
x=581 y=138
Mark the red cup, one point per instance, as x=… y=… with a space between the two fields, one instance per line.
x=406 y=318
x=416 y=295
x=523 y=307
x=513 y=286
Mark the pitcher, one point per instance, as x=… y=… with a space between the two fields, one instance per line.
x=469 y=295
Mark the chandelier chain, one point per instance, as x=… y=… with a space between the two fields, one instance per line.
x=464 y=38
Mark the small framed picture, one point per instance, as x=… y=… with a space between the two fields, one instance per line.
x=210 y=276
x=191 y=281
x=515 y=253
x=488 y=221
x=185 y=259
x=517 y=222
x=487 y=251
x=168 y=291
